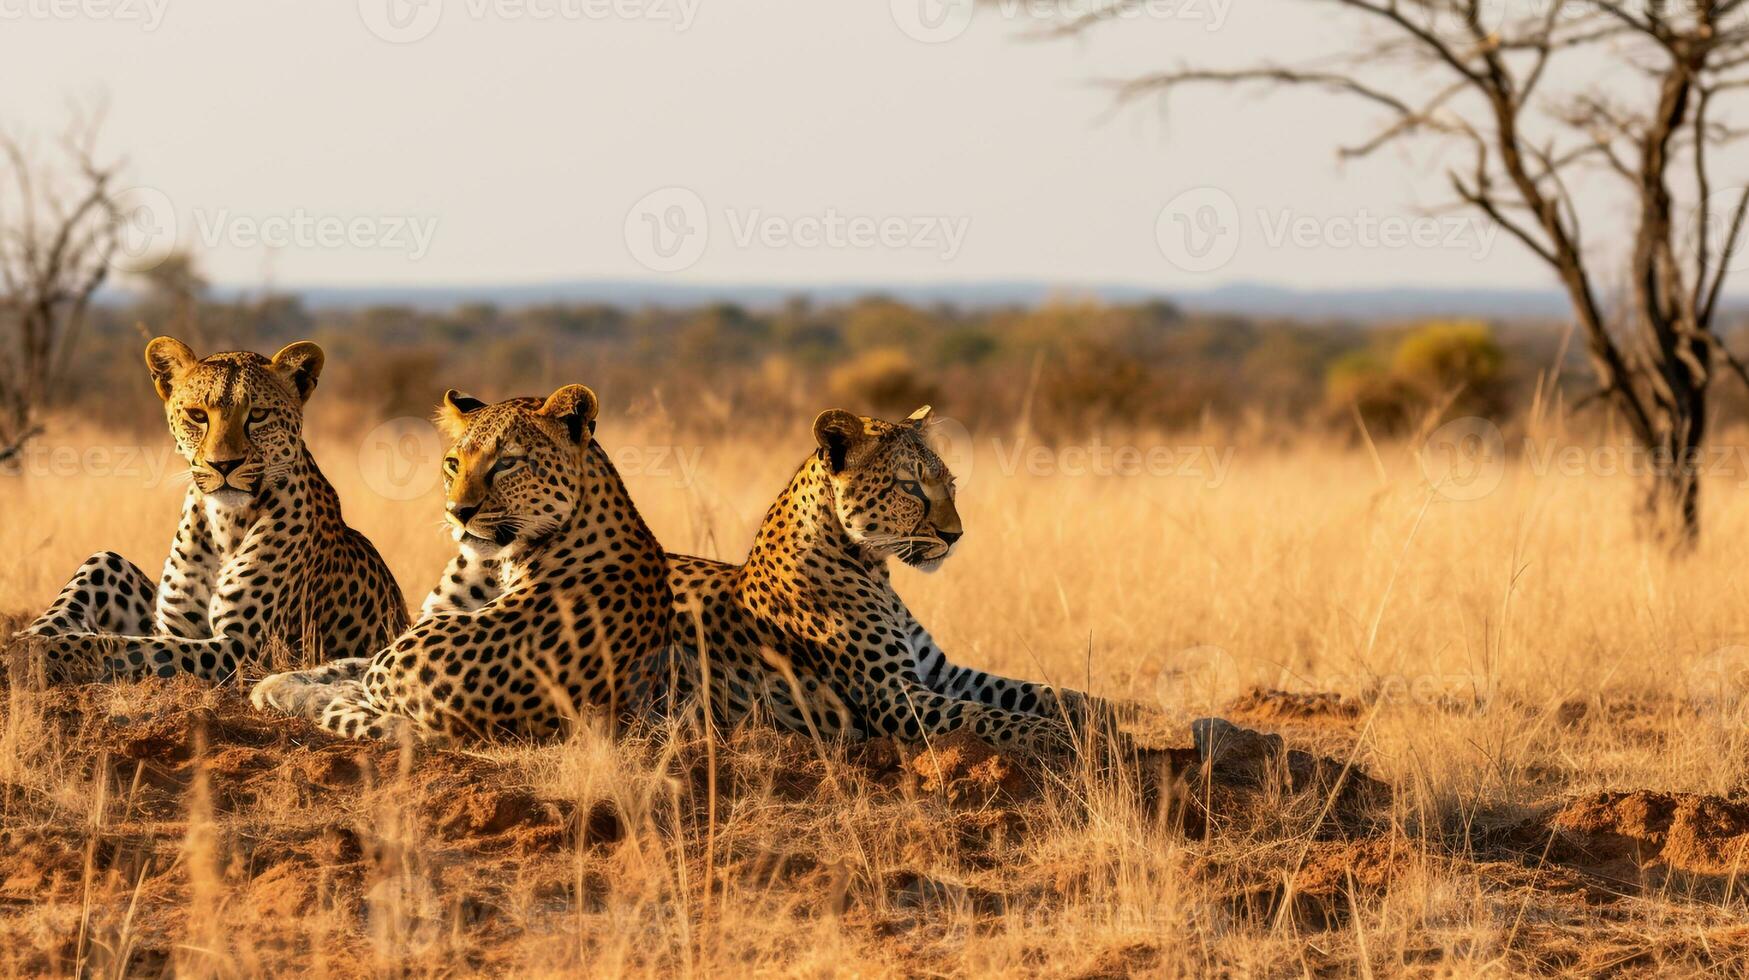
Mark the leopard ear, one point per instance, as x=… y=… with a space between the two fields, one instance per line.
x=300 y=364
x=452 y=416
x=168 y=359
x=919 y=417
x=838 y=432
x=576 y=406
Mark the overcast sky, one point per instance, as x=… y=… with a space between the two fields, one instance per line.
x=731 y=140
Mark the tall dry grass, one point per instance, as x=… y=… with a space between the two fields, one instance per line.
x=1465 y=626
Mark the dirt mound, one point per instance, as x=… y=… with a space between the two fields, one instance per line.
x=187 y=791
x=172 y=804
x=1639 y=719
x=1240 y=759
x=1326 y=881
x=964 y=769
x=1616 y=844
x=1701 y=835
x=1269 y=705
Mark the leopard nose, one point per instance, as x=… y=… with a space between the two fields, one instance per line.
x=949 y=537
x=224 y=466
x=464 y=513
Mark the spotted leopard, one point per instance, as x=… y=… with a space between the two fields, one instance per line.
x=557 y=604
x=262 y=552
x=810 y=630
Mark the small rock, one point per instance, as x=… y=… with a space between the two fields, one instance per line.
x=1225 y=747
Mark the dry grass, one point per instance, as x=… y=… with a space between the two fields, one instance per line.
x=1503 y=663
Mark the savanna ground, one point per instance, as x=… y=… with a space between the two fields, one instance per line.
x=1552 y=712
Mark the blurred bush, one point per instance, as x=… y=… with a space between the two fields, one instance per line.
x=1453 y=367
x=881 y=382
x=1072 y=366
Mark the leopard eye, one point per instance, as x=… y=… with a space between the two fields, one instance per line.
x=506 y=463
x=196 y=415
x=451 y=464
x=258 y=415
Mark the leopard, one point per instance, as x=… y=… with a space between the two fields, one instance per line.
x=810 y=632
x=262 y=551
x=552 y=613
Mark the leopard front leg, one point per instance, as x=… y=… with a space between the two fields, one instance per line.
x=185 y=589
x=106 y=595
x=252 y=601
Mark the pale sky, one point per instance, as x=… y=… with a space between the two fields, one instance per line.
x=818 y=142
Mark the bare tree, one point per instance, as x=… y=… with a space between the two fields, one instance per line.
x=1640 y=97
x=59 y=227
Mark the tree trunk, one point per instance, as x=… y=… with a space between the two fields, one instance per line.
x=1671 y=508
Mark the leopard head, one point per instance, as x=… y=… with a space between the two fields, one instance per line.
x=237 y=417
x=891 y=492
x=514 y=472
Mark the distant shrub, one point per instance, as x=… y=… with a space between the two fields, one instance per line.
x=875 y=324
x=1361 y=380
x=1453 y=364
x=406 y=381
x=883 y=381
x=1087 y=385
x=723 y=332
x=965 y=345
x=1440 y=359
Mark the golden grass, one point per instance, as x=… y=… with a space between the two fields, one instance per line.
x=1498 y=657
